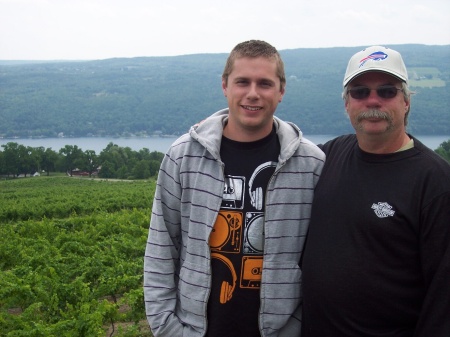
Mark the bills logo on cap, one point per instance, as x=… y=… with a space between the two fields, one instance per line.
x=377 y=56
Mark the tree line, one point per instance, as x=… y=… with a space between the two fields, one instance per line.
x=112 y=162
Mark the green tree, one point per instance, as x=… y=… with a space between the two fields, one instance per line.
x=70 y=155
x=11 y=158
x=444 y=150
x=107 y=170
x=49 y=159
x=2 y=163
x=29 y=159
x=142 y=170
x=154 y=167
x=88 y=162
x=122 y=159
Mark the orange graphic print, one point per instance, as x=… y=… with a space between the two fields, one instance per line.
x=226 y=289
x=251 y=271
x=237 y=238
x=226 y=235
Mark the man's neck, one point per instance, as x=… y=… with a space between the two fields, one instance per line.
x=379 y=145
x=247 y=135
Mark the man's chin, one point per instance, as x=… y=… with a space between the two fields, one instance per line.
x=373 y=128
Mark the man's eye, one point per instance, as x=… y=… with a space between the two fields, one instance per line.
x=266 y=84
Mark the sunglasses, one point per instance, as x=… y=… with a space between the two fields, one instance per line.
x=384 y=91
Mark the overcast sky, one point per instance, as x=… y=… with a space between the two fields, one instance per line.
x=100 y=29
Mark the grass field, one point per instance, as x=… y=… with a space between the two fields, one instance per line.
x=71 y=256
x=425 y=77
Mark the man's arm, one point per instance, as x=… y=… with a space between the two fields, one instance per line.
x=434 y=319
x=161 y=260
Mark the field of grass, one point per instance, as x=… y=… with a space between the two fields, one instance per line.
x=425 y=77
x=71 y=256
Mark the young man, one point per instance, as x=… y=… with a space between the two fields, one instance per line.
x=231 y=211
x=377 y=257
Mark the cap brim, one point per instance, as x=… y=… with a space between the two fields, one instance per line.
x=363 y=71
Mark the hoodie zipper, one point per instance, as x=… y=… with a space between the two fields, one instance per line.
x=277 y=169
x=209 y=253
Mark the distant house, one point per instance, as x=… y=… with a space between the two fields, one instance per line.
x=77 y=172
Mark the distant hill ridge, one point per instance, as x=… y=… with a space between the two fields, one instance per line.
x=166 y=95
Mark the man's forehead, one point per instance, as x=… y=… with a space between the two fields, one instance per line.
x=246 y=65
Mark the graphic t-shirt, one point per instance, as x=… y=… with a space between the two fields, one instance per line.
x=237 y=240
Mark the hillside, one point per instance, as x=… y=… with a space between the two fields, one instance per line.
x=148 y=95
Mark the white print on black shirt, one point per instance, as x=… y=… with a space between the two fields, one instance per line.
x=256 y=195
x=383 y=209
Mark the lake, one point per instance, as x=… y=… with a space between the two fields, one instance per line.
x=157 y=143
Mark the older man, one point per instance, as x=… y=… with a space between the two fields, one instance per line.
x=377 y=256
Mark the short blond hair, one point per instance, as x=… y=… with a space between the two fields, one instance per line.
x=253 y=49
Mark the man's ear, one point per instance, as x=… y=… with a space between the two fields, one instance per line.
x=224 y=87
x=283 y=91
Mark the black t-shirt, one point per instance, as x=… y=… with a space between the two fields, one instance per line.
x=237 y=240
x=377 y=258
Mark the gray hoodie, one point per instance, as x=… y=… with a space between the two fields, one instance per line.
x=188 y=196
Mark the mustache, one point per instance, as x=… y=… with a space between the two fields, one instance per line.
x=373 y=113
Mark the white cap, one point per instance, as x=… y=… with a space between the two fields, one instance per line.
x=376 y=58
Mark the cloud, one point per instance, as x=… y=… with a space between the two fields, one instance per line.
x=96 y=29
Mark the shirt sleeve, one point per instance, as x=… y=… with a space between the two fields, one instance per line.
x=434 y=318
x=161 y=258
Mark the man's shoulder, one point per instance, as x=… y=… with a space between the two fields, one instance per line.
x=182 y=145
x=338 y=143
x=432 y=160
x=309 y=148
x=426 y=150
x=183 y=140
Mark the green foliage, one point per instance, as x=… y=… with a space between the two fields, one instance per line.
x=113 y=162
x=71 y=256
x=444 y=150
x=153 y=95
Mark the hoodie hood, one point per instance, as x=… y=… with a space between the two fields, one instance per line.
x=209 y=134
